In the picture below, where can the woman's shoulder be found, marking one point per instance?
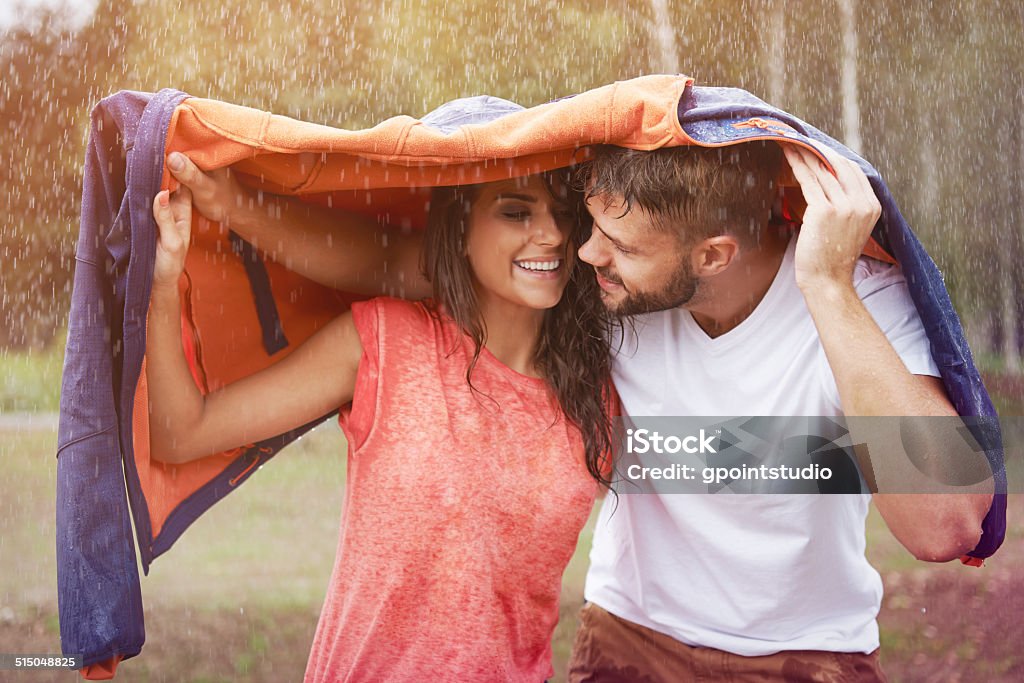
(390, 316)
(391, 307)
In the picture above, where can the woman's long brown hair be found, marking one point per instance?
(572, 351)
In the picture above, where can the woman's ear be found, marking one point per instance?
(713, 255)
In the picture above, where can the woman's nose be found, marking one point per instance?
(546, 230)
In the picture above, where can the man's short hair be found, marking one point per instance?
(698, 192)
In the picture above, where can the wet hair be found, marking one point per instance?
(572, 352)
(698, 192)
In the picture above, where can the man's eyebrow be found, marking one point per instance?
(618, 243)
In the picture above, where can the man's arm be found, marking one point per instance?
(870, 376)
(341, 250)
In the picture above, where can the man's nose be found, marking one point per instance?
(591, 251)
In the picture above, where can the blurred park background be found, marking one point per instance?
(930, 92)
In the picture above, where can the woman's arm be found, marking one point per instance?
(316, 378)
(340, 250)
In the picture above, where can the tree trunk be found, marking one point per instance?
(1008, 298)
(927, 197)
(851, 107)
(776, 57)
(1010, 251)
(663, 38)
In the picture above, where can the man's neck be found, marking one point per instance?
(727, 299)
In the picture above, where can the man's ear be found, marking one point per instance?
(713, 255)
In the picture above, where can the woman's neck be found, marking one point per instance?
(513, 332)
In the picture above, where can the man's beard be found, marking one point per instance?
(679, 290)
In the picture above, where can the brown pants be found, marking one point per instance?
(609, 649)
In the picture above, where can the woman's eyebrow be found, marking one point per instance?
(532, 199)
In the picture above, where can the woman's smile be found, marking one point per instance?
(542, 269)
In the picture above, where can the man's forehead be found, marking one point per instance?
(612, 212)
(607, 201)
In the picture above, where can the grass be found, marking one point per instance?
(30, 380)
(237, 598)
(284, 522)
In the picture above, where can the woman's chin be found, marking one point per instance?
(539, 303)
(547, 300)
(548, 303)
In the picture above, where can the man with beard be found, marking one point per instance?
(738, 314)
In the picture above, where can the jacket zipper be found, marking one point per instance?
(195, 335)
(258, 455)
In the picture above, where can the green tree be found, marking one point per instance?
(51, 74)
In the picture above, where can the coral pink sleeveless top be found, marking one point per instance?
(462, 509)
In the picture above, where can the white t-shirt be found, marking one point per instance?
(749, 574)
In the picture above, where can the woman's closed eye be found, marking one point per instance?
(518, 215)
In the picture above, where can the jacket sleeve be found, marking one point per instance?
(100, 603)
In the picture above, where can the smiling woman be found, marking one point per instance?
(463, 575)
(517, 247)
(507, 250)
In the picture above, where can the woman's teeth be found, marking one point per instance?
(539, 265)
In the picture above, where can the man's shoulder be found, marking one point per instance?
(625, 338)
(871, 275)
